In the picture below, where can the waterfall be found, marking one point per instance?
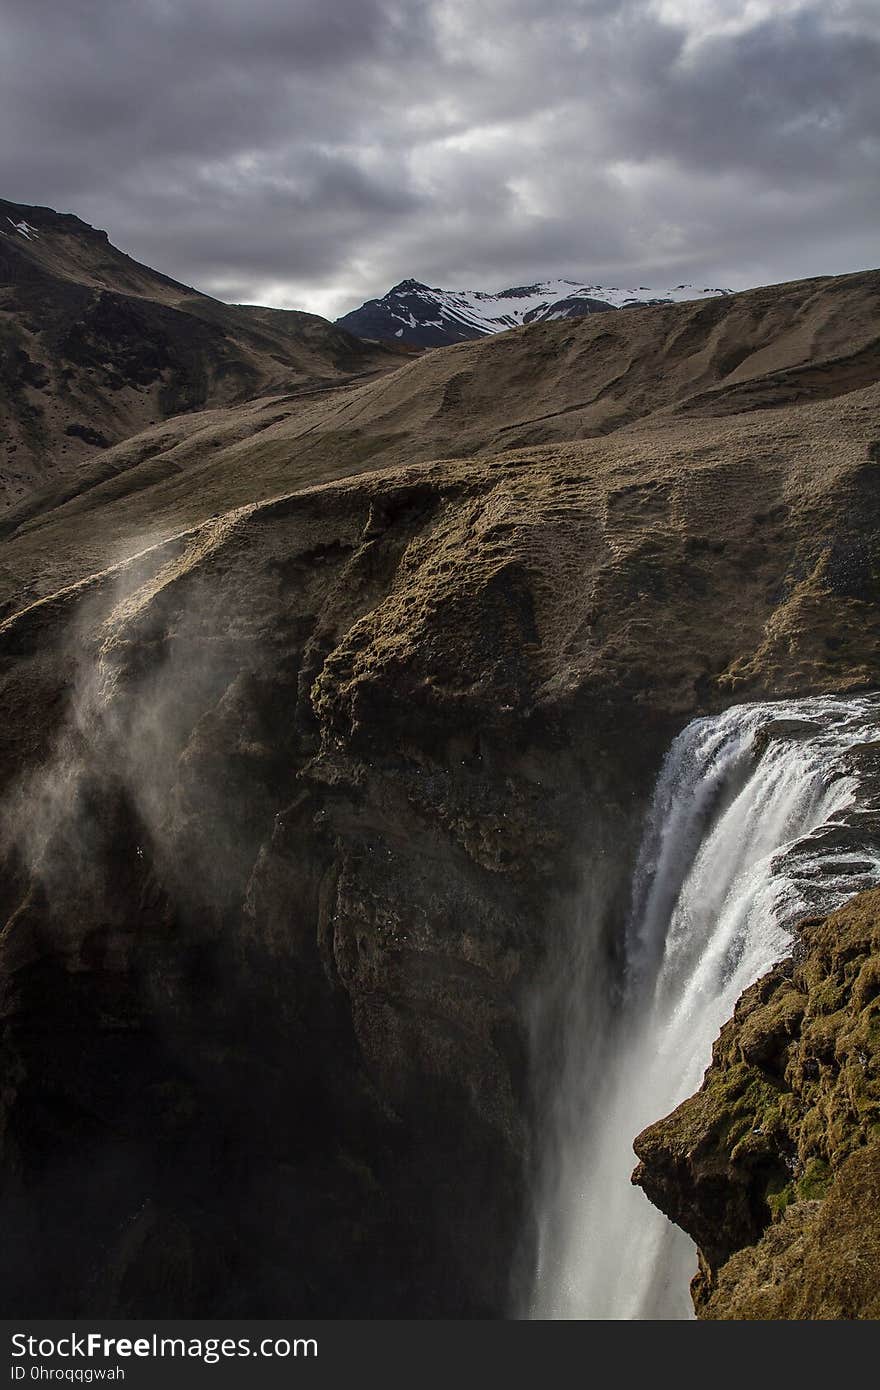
(758, 819)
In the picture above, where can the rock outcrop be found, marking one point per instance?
(774, 1166)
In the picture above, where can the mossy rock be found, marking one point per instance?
(780, 1130)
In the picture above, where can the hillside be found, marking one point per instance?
(330, 724)
(94, 347)
(644, 374)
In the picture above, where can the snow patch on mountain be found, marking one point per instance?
(24, 229)
(431, 317)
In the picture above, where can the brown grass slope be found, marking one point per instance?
(659, 371)
(94, 347)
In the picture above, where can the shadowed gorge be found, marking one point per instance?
(331, 727)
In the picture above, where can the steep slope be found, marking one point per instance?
(636, 374)
(93, 347)
(414, 313)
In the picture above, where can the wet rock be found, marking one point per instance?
(782, 729)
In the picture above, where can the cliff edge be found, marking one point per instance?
(773, 1167)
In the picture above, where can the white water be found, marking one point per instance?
(732, 855)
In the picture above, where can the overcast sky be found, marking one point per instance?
(311, 153)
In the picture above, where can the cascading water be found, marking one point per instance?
(745, 836)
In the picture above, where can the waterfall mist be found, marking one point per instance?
(743, 838)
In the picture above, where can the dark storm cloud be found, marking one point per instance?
(788, 99)
(313, 153)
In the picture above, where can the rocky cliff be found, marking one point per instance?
(300, 802)
(774, 1166)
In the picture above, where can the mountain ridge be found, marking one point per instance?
(94, 347)
(425, 316)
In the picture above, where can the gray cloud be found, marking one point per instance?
(311, 154)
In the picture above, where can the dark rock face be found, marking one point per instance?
(295, 1068)
(781, 729)
(772, 1167)
(570, 309)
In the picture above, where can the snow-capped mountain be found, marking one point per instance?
(414, 313)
